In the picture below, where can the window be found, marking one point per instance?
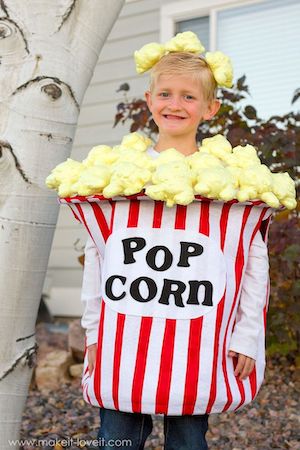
(262, 38)
(199, 26)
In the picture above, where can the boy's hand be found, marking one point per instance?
(92, 352)
(244, 366)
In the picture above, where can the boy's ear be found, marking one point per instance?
(148, 99)
(212, 109)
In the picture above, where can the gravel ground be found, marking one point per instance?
(270, 422)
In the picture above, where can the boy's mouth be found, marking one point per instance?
(173, 117)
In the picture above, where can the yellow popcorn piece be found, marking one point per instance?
(217, 182)
(63, 176)
(221, 67)
(92, 180)
(172, 183)
(185, 42)
(101, 154)
(245, 156)
(138, 158)
(169, 155)
(147, 56)
(127, 179)
(135, 141)
(254, 181)
(284, 189)
(219, 147)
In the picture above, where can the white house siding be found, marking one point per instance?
(137, 25)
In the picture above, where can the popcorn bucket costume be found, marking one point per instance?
(176, 269)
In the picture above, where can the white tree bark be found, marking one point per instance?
(48, 51)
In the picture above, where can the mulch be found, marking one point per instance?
(62, 419)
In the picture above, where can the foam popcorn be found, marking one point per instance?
(185, 42)
(169, 155)
(63, 176)
(93, 179)
(147, 56)
(221, 67)
(135, 141)
(99, 155)
(172, 183)
(216, 182)
(244, 156)
(127, 179)
(254, 181)
(219, 147)
(284, 189)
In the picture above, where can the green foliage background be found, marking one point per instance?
(277, 141)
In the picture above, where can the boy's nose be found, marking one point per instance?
(174, 103)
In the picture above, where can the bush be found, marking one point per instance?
(277, 141)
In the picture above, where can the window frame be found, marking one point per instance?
(171, 13)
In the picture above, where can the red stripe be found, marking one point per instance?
(101, 220)
(158, 212)
(253, 383)
(87, 394)
(239, 263)
(117, 359)
(74, 214)
(133, 214)
(140, 365)
(83, 221)
(165, 371)
(204, 221)
(240, 386)
(193, 364)
(180, 217)
(97, 376)
(112, 217)
(195, 332)
(219, 318)
(258, 225)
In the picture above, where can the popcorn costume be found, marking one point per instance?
(176, 265)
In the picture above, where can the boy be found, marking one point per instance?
(182, 94)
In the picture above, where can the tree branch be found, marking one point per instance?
(4, 144)
(29, 354)
(67, 14)
(4, 8)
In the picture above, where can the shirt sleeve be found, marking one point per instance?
(249, 323)
(91, 292)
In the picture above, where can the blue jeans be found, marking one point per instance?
(123, 430)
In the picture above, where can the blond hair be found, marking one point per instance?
(186, 64)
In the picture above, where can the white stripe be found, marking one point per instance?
(153, 365)
(107, 358)
(128, 361)
(179, 366)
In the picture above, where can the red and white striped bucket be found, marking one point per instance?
(171, 281)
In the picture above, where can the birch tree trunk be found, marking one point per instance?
(48, 51)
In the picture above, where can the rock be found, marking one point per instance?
(76, 340)
(53, 370)
(76, 370)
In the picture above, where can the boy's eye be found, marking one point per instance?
(189, 97)
(164, 94)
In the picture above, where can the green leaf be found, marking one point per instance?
(292, 253)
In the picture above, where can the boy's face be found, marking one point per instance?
(177, 105)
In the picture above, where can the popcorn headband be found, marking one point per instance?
(150, 54)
